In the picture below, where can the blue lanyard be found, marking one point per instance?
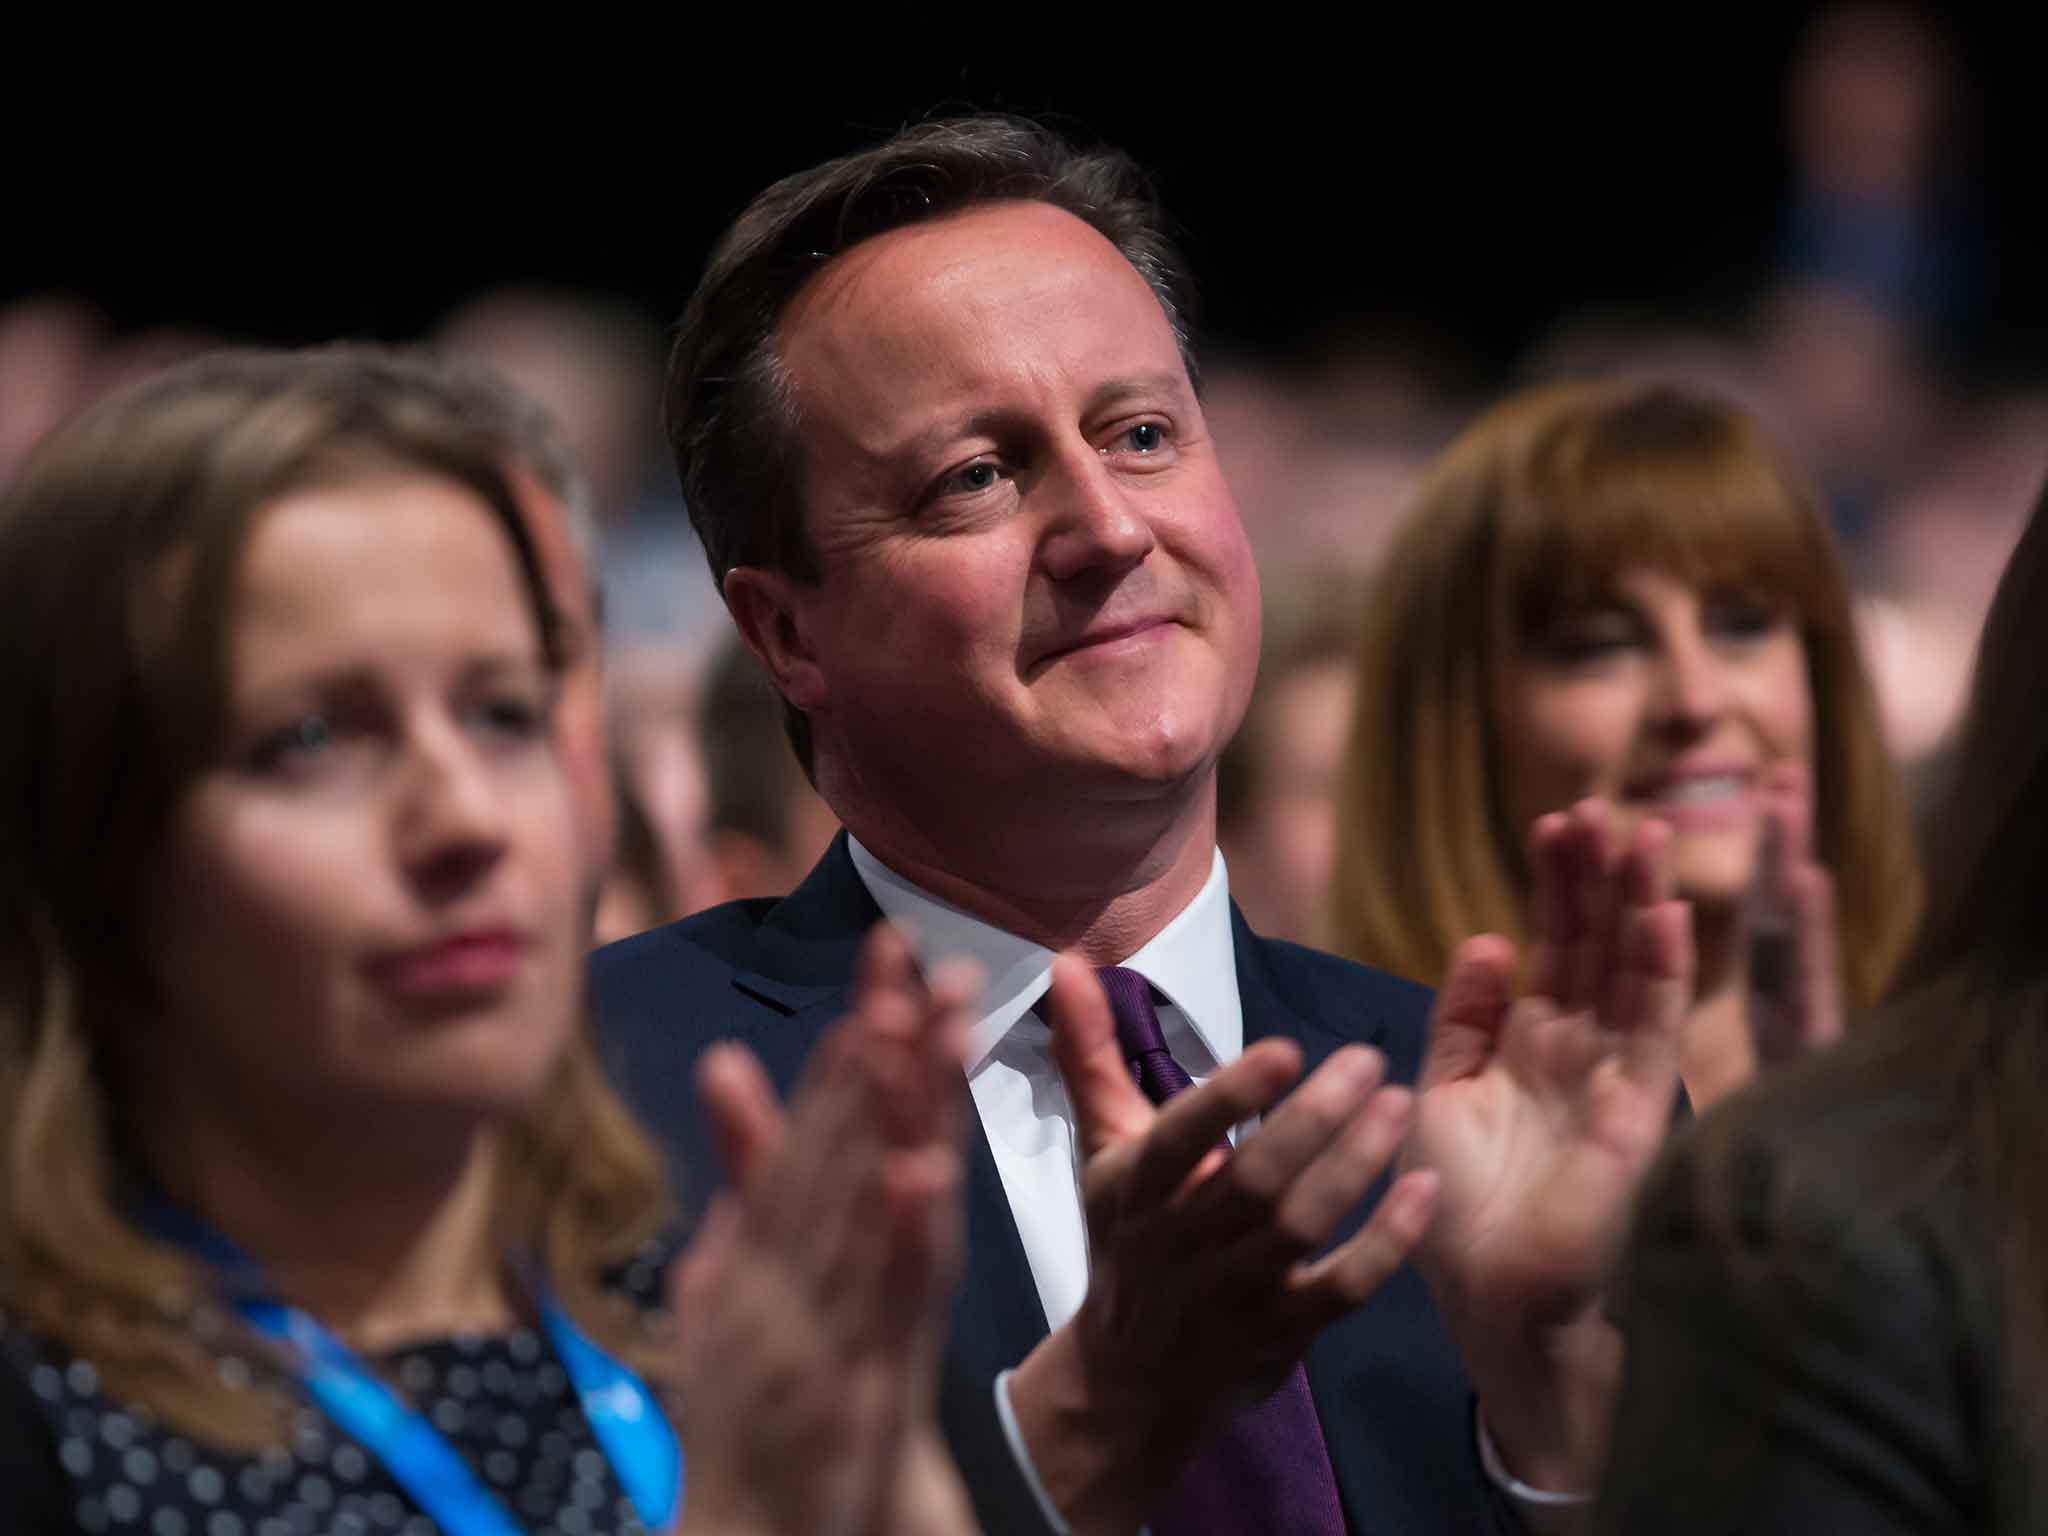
(624, 1415)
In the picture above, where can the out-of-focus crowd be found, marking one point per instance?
(1858, 349)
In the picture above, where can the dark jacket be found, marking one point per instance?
(1396, 1409)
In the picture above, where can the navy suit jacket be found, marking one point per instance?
(1396, 1409)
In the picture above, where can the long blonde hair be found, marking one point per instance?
(1530, 513)
(112, 684)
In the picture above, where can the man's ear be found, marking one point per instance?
(768, 607)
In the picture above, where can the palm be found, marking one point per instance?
(1534, 1166)
(1540, 1113)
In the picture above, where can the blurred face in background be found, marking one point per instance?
(369, 897)
(1669, 700)
(579, 711)
(1282, 849)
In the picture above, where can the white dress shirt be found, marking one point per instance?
(1010, 1071)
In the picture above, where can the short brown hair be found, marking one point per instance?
(119, 545)
(730, 416)
(1532, 511)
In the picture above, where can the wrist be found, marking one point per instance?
(1547, 1402)
(1103, 1448)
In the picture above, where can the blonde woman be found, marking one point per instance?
(1617, 589)
(315, 1212)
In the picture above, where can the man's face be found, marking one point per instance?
(1033, 580)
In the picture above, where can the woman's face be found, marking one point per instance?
(369, 895)
(1668, 700)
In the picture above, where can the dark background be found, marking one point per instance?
(1445, 175)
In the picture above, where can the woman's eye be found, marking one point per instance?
(1587, 639)
(513, 717)
(295, 746)
(1743, 618)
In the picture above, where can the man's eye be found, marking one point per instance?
(1146, 437)
(978, 476)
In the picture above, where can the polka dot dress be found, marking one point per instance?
(72, 1459)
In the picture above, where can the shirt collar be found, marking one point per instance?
(1192, 960)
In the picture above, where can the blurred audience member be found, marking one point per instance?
(48, 346)
(767, 825)
(1276, 786)
(1617, 589)
(1860, 395)
(651, 704)
(636, 892)
(1324, 458)
(1941, 549)
(595, 366)
(1836, 1295)
(315, 1210)
(1876, 108)
(1878, 268)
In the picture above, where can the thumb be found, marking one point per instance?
(747, 1121)
(1470, 1009)
(695, 1276)
(1108, 1108)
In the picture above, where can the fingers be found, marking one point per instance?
(1349, 1273)
(1811, 894)
(746, 1119)
(1308, 1166)
(1551, 909)
(1109, 1109)
(1470, 1008)
(1187, 1129)
(1652, 992)
(1596, 890)
(694, 1277)
(1575, 862)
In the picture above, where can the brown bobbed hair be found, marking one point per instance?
(730, 409)
(120, 542)
(1532, 512)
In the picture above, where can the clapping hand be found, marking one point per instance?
(1539, 1113)
(812, 1305)
(1181, 1232)
(1795, 990)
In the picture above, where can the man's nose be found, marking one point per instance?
(1095, 525)
(451, 825)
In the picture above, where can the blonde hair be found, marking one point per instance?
(112, 682)
(1530, 513)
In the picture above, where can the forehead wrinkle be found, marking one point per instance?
(864, 313)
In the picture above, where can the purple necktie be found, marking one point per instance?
(1267, 1470)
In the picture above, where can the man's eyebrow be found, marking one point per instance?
(1164, 384)
(1143, 386)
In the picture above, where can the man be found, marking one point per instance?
(936, 419)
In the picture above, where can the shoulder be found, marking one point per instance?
(710, 942)
(1832, 1162)
(1352, 1000)
(44, 1398)
(1810, 1290)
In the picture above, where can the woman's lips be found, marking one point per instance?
(1699, 801)
(482, 960)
